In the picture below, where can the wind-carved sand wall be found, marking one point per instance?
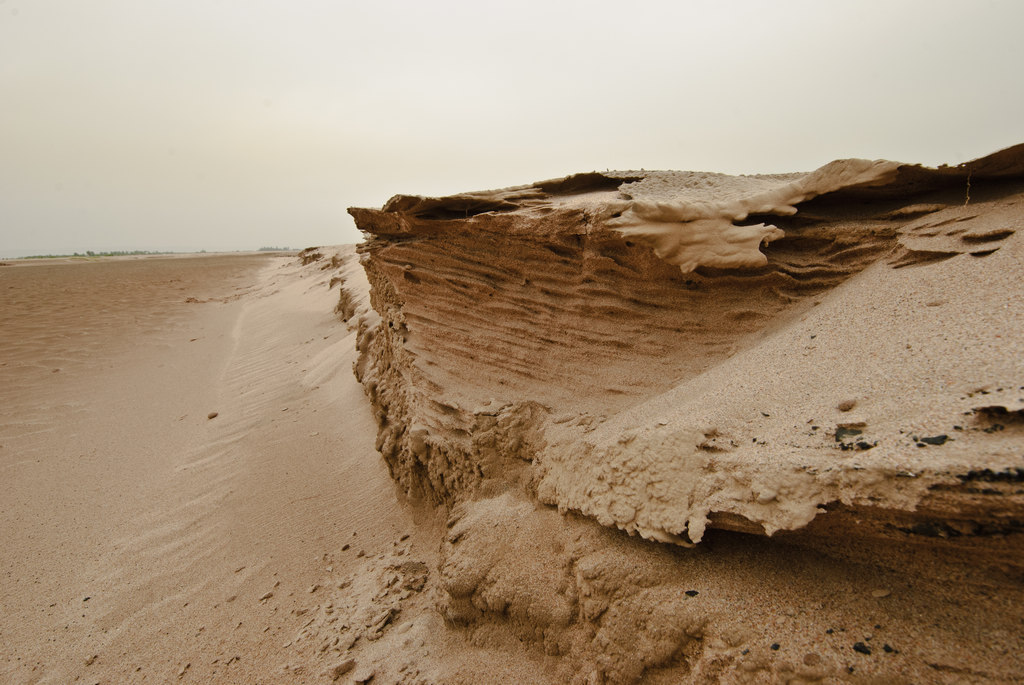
(823, 356)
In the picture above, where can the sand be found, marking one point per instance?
(139, 534)
(626, 427)
(828, 363)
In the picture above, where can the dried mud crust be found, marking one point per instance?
(838, 377)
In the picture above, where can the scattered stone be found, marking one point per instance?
(313, 588)
(345, 547)
(212, 415)
(935, 439)
(342, 668)
(861, 648)
(846, 405)
(843, 432)
(879, 594)
(183, 669)
(266, 595)
(378, 623)
(363, 675)
(692, 593)
(91, 660)
(775, 646)
(887, 649)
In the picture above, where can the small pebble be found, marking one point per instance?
(212, 415)
(846, 405)
(861, 648)
(266, 595)
(879, 594)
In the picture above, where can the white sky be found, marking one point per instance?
(222, 124)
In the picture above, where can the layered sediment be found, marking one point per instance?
(832, 360)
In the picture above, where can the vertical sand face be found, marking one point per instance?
(830, 362)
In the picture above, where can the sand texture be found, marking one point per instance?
(620, 427)
(828, 363)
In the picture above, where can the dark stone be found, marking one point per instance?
(775, 646)
(843, 433)
(861, 648)
(692, 593)
(935, 439)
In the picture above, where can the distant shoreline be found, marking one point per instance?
(90, 254)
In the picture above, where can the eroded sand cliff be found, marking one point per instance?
(819, 377)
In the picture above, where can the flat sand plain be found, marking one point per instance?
(139, 535)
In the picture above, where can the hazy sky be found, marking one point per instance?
(221, 124)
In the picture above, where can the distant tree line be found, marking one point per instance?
(90, 253)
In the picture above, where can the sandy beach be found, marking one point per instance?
(139, 534)
(614, 428)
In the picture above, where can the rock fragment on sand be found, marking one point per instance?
(342, 668)
(363, 675)
(266, 596)
(880, 593)
(213, 415)
(846, 405)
